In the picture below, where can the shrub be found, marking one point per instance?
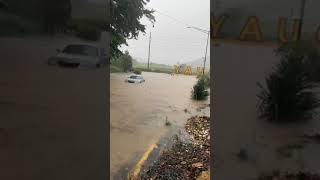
(289, 93)
(199, 91)
(206, 78)
(137, 71)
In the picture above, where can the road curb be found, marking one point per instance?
(134, 173)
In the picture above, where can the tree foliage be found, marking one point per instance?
(126, 15)
(48, 13)
(124, 62)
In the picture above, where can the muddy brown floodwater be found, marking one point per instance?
(138, 113)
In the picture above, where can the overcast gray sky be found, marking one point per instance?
(171, 41)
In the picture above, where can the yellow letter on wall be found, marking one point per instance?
(216, 25)
(282, 30)
(188, 71)
(251, 30)
(177, 69)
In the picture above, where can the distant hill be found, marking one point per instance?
(194, 64)
(199, 62)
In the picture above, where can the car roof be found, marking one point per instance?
(80, 44)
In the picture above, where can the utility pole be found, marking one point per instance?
(149, 51)
(205, 56)
(208, 33)
(302, 7)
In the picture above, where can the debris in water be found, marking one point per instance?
(183, 160)
(168, 123)
(199, 128)
(197, 165)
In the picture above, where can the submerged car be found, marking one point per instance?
(79, 55)
(135, 79)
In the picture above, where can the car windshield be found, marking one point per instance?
(134, 77)
(81, 50)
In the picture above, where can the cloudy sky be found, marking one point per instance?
(172, 41)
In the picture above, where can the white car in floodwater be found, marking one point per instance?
(135, 79)
(79, 55)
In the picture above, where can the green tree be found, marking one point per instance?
(125, 62)
(126, 15)
(49, 13)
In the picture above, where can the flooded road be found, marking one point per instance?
(138, 113)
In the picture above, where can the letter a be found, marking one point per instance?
(188, 71)
(177, 69)
(251, 29)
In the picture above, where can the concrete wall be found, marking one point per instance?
(53, 121)
(268, 13)
(236, 68)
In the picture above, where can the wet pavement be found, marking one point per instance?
(139, 111)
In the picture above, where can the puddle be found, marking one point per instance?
(138, 113)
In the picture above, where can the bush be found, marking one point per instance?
(199, 91)
(289, 93)
(137, 71)
(206, 78)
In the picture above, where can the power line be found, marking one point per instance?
(173, 18)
